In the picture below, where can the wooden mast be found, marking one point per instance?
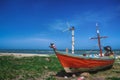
(99, 43)
(99, 37)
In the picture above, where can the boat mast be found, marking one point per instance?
(99, 37)
(73, 40)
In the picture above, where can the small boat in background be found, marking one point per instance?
(78, 63)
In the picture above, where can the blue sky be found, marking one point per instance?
(33, 24)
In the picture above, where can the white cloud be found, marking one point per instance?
(26, 42)
(57, 25)
(29, 40)
(60, 25)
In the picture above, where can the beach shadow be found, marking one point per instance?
(100, 70)
(62, 73)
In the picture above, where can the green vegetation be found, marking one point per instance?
(113, 78)
(43, 68)
(28, 67)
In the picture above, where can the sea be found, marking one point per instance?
(43, 51)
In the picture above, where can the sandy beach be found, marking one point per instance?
(23, 54)
(29, 55)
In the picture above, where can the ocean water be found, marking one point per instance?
(39, 51)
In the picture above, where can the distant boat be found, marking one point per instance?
(77, 63)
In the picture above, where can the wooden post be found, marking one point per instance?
(67, 50)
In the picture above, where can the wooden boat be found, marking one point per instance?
(76, 63)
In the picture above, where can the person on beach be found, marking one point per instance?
(109, 51)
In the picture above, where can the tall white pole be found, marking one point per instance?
(73, 40)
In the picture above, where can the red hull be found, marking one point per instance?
(77, 63)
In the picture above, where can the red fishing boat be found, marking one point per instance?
(86, 62)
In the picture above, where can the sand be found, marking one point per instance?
(23, 54)
(30, 55)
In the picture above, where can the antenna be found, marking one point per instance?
(68, 27)
(73, 40)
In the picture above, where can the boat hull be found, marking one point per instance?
(73, 64)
